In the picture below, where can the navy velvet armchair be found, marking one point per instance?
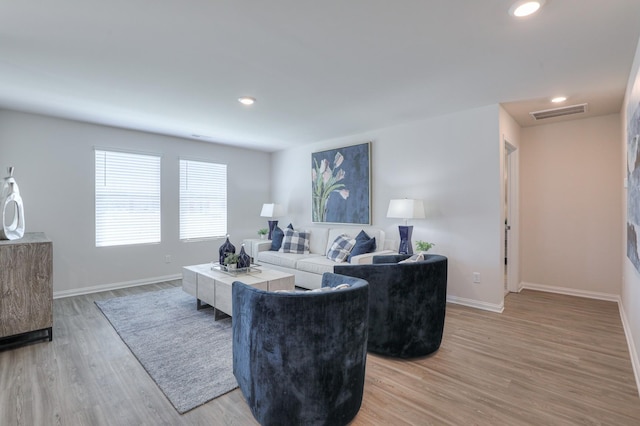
(407, 303)
(299, 358)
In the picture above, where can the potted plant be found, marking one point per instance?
(262, 232)
(231, 260)
(423, 246)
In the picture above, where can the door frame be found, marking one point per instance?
(512, 194)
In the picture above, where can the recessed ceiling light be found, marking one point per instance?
(524, 8)
(246, 100)
(559, 99)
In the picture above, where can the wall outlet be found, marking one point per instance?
(167, 258)
(476, 277)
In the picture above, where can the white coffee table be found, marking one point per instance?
(213, 287)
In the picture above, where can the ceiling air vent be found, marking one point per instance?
(559, 112)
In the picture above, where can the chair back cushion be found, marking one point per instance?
(299, 358)
(407, 303)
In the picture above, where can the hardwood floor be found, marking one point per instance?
(547, 360)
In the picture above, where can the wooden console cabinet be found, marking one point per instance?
(26, 286)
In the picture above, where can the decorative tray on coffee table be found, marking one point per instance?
(252, 269)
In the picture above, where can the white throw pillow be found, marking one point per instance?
(415, 258)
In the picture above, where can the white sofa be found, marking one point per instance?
(308, 268)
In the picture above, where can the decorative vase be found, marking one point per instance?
(225, 249)
(11, 209)
(244, 260)
(405, 239)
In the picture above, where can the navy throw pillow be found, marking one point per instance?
(276, 239)
(364, 244)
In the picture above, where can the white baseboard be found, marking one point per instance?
(476, 304)
(114, 286)
(571, 292)
(633, 352)
(520, 287)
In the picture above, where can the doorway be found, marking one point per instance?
(511, 243)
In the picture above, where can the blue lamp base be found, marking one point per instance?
(272, 226)
(405, 239)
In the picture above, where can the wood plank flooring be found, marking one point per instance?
(547, 360)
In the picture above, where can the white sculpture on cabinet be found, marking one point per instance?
(12, 209)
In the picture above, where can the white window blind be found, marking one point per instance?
(127, 198)
(203, 199)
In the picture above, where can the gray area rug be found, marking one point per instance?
(186, 352)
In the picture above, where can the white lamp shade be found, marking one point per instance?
(272, 210)
(406, 209)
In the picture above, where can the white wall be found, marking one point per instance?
(54, 168)
(630, 276)
(571, 198)
(452, 162)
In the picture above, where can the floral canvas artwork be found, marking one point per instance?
(633, 176)
(341, 185)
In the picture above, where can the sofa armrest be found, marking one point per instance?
(367, 258)
(262, 246)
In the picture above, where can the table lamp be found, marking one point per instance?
(405, 209)
(272, 210)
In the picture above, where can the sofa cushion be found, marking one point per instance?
(316, 265)
(318, 240)
(341, 248)
(295, 242)
(285, 260)
(364, 244)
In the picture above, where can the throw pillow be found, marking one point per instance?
(415, 258)
(364, 244)
(341, 248)
(276, 239)
(295, 242)
(328, 288)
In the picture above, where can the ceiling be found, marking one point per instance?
(318, 69)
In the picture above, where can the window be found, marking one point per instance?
(127, 198)
(203, 199)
